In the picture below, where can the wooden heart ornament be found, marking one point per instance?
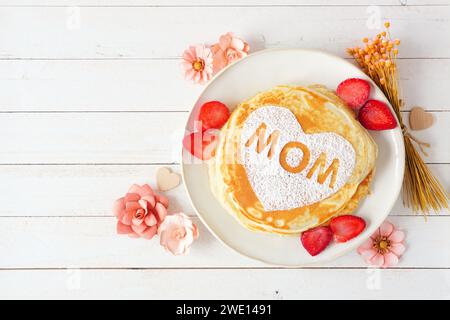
(166, 179)
(288, 168)
(419, 119)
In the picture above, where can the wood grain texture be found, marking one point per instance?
(143, 85)
(75, 190)
(89, 138)
(89, 190)
(113, 138)
(91, 242)
(161, 32)
(92, 100)
(222, 3)
(226, 284)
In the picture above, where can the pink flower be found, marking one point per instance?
(229, 49)
(177, 233)
(140, 212)
(384, 247)
(197, 64)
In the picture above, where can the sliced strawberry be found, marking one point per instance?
(316, 240)
(213, 115)
(346, 227)
(354, 92)
(376, 115)
(201, 144)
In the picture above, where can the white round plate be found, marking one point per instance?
(264, 70)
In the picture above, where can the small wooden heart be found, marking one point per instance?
(166, 179)
(419, 119)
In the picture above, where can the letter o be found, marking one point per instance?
(284, 152)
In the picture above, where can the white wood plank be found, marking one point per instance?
(72, 190)
(225, 284)
(210, 3)
(95, 85)
(94, 137)
(114, 138)
(77, 190)
(143, 85)
(442, 171)
(92, 243)
(151, 32)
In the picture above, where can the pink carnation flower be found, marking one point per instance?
(177, 233)
(229, 49)
(197, 64)
(384, 247)
(140, 212)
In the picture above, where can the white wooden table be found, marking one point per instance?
(92, 100)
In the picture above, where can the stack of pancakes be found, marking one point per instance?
(272, 179)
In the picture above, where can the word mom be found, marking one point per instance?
(272, 141)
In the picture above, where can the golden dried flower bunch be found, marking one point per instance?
(422, 191)
(378, 58)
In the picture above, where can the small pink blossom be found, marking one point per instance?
(197, 64)
(384, 247)
(177, 233)
(140, 212)
(229, 49)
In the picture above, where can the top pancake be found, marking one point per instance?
(270, 169)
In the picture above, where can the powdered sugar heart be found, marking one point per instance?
(283, 175)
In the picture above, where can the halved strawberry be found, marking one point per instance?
(376, 115)
(354, 92)
(213, 115)
(315, 240)
(201, 144)
(346, 227)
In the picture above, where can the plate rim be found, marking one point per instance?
(333, 257)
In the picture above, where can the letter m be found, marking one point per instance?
(259, 136)
(323, 174)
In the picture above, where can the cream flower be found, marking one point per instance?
(177, 233)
